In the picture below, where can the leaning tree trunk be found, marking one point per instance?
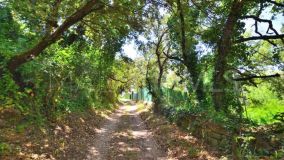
(16, 61)
(223, 51)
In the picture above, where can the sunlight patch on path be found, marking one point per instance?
(124, 136)
(99, 149)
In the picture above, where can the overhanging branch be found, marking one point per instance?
(173, 57)
(48, 39)
(255, 76)
(264, 37)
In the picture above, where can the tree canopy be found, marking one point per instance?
(221, 58)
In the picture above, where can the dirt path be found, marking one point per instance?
(124, 136)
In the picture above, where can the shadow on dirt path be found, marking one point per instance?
(124, 136)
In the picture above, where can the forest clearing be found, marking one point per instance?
(142, 79)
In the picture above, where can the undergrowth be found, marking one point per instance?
(264, 113)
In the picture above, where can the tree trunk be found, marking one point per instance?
(29, 55)
(223, 51)
(190, 59)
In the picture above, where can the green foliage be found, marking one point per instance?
(82, 69)
(263, 104)
(73, 74)
(278, 154)
(263, 114)
(12, 39)
(173, 97)
(5, 149)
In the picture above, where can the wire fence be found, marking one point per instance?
(170, 95)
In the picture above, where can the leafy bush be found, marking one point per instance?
(263, 104)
